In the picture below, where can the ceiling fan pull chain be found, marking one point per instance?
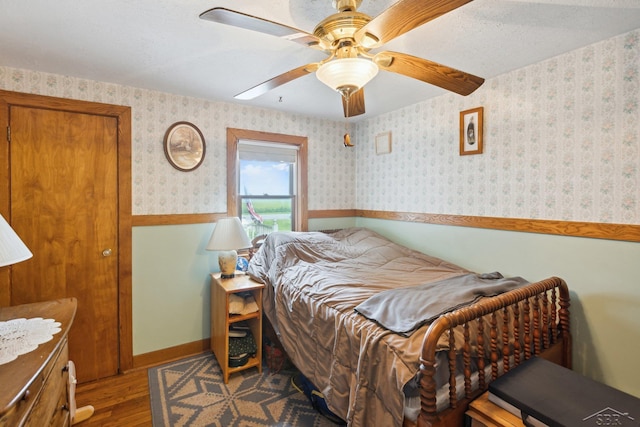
(346, 122)
(347, 137)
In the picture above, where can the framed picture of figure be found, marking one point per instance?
(471, 129)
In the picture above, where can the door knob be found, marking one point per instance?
(106, 252)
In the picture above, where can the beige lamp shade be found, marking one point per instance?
(228, 236)
(12, 249)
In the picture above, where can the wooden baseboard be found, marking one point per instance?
(146, 360)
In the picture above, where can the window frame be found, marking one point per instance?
(233, 169)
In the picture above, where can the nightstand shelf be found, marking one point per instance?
(221, 320)
(235, 318)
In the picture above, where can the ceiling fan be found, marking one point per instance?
(348, 37)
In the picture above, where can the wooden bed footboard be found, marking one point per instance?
(497, 333)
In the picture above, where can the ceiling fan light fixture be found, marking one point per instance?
(347, 75)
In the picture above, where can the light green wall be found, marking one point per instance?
(603, 277)
(171, 284)
(171, 297)
(331, 223)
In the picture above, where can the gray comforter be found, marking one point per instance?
(314, 282)
(404, 310)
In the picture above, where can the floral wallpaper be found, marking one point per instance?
(561, 141)
(157, 187)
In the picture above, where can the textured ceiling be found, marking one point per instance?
(163, 45)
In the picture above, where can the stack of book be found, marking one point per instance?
(542, 393)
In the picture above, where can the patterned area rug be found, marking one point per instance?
(191, 392)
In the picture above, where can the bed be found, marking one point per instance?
(392, 336)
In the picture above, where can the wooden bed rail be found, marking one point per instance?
(498, 333)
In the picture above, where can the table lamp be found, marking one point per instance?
(12, 249)
(227, 237)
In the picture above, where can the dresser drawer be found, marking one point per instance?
(52, 407)
(17, 414)
(61, 415)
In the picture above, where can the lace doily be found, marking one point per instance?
(20, 336)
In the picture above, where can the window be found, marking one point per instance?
(267, 181)
(266, 186)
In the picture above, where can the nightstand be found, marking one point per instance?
(482, 412)
(221, 320)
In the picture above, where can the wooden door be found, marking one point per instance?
(64, 206)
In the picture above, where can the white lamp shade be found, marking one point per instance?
(228, 235)
(348, 74)
(12, 249)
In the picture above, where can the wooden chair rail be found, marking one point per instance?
(622, 232)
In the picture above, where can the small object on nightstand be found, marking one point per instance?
(242, 264)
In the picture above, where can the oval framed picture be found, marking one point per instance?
(184, 146)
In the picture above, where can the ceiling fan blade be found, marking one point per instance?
(222, 15)
(429, 72)
(356, 104)
(273, 83)
(401, 17)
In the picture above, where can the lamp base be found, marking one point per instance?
(227, 261)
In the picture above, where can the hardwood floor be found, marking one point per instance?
(119, 401)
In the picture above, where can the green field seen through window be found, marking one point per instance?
(275, 214)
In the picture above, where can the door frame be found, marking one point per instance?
(123, 116)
